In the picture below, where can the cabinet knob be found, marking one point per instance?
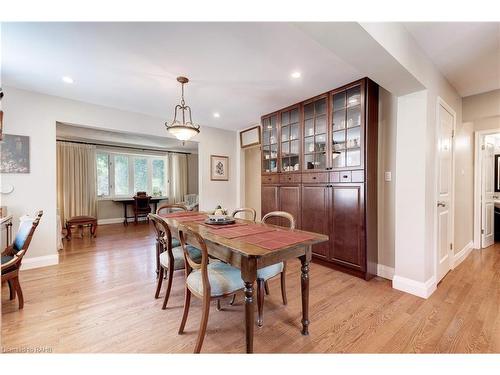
(314, 177)
(345, 176)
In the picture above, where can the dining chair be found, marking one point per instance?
(266, 273)
(142, 205)
(13, 255)
(206, 280)
(169, 258)
(245, 210)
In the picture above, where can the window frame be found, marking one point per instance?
(131, 173)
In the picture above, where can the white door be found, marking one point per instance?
(445, 191)
(487, 193)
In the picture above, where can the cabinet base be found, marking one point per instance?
(361, 274)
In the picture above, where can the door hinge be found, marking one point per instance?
(451, 246)
(453, 133)
(482, 231)
(483, 147)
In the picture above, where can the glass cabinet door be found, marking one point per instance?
(270, 144)
(290, 140)
(346, 128)
(315, 134)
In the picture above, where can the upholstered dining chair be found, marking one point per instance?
(142, 205)
(170, 258)
(245, 210)
(13, 255)
(207, 281)
(266, 273)
(168, 209)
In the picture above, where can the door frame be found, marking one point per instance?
(451, 252)
(477, 183)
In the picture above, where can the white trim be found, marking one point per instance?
(477, 183)
(37, 262)
(385, 271)
(117, 220)
(462, 254)
(442, 103)
(417, 288)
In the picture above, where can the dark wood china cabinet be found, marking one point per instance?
(323, 170)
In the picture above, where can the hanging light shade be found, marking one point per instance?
(182, 126)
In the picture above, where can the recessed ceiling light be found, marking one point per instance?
(216, 114)
(67, 79)
(296, 75)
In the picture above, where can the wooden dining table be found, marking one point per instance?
(250, 257)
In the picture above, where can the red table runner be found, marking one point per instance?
(223, 226)
(181, 214)
(198, 217)
(241, 231)
(276, 239)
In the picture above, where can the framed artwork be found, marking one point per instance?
(250, 137)
(219, 168)
(15, 154)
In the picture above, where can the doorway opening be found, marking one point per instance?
(487, 189)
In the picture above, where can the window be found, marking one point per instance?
(102, 174)
(122, 175)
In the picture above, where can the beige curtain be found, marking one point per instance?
(177, 177)
(76, 180)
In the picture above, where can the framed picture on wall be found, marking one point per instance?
(219, 168)
(15, 154)
(250, 137)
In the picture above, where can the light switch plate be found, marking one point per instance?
(388, 176)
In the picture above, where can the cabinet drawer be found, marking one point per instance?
(291, 178)
(313, 178)
(358, 176)
(345, 176)
(270, 179)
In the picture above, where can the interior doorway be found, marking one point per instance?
(487, 189)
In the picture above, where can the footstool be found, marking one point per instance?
(81, 221)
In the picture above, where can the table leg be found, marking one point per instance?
(125, 222)
(249, 275)
(249, 315)
(304, 283)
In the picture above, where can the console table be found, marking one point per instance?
(130, 201)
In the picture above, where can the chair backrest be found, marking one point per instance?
(163, 234)
(25, 234)
(280, 214)
(168, 208)
(141, 201)
(245, 210)
(187, 236)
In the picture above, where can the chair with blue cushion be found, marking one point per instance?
(162, 210)
(266, 273)
(207, 281)
(13, 255)
(170, 258)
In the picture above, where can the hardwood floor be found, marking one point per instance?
(100, 299)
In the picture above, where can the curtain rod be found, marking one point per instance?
(129, 147)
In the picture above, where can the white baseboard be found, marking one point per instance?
(37, 262)
(462, 254)
(117, 220)
(417, 288)
(385, 271)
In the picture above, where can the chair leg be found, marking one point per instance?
(260, 301)
(160, 280)
(203, 324)
(219, 308)
(187, 302)
(233, 299)
(17, 286)
(12, 291)
(283, 286)
(169, 286)
(266, 287)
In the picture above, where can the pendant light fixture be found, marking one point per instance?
(182, 128)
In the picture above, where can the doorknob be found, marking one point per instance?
(441, 204)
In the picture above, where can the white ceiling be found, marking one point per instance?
(241, 70)
(468, 54)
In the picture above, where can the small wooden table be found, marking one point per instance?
(6, 222)
(81, 221)
(249, 258)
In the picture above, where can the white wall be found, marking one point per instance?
(35, 114)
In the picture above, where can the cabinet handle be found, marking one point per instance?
(314, 178)
(345, 176)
